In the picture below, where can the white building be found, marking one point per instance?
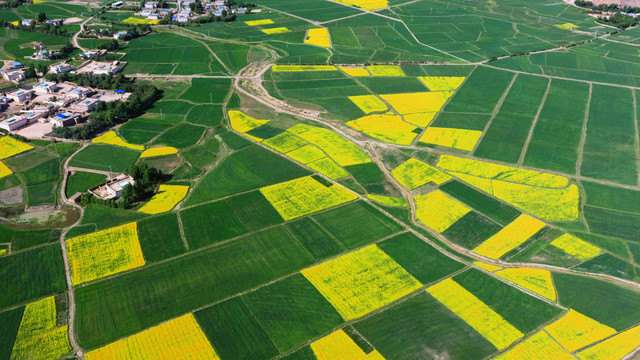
(46, 88)
(32, 116)
(13, 123)
(61, 68)
(56, 22)
(107, 69)
(117, 4)
(85, 106)
(20, 96)
(63, 119)
(28, 22)
(150, 5)
(79, 93)
(15, 75)
(112, 188)
(120, 34)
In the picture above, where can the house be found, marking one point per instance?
(32, 116)
(15, 75)
(84, 106)
(145, 13)
(27, 22)
(13, 123)
(112, 188)
(219, 3)
(120, 34)
(46, 88)
(155, 17)
(107, 69)
(16, 65)
(61, 68)
(241, 10)
(63, 119)
(93, 53)
(79, 93)
(56, 22)
(117, 4)
(150, 5)
(20, 96)
(41, 55)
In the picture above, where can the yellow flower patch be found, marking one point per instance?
(10, 146)
(296, 68)
(512, 235)
(368, 103)
(343, 151)
(501, 172)
(476, 313)
(614, 348)
(420, 119)
(389, 200)
(442, 83)
(365, 4)
(414, 173)
(566, 26)
(318, 37)
(438, 211)
(385, 70)
(420, 102)
(537, 280)
(575, 331)
(454, 138)
(3, 252)
(242, 122)
(165, 199)
(111, 138)
(259, 22)
(549, 204)
(104, 253)
(339, 346)
(138, 21)
(178, 339)
(362, 281)
(307, 154)
(38, 336)
(278, 30)
(540, 346)
(388, 128)
(487, 267)
(304, 196)
(355, 71)
(159, 151)
(329, 168)
(575, 247)
(4, 170)
(483, 184)
(285, 142)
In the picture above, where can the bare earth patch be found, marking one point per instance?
(11, 196)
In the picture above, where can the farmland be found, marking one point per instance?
(330, 179)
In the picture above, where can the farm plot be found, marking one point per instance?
(318, 37)
(159, 151)
(83, 181)
(119, 251)
(10, 147)
(388, 128)
(242, 123)
(111, 138)
(165, 199)
(575, 331)
(438, 211)
(538, 346)
(616, 347)
(104, 157)
(509, 237)
(414, 173)
(181, 136)
(340, 345)
(209, 91)
(318, 11)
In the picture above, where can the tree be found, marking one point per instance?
(30, 72)
(42, 17)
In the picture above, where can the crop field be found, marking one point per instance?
(336, 180)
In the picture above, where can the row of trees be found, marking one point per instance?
(107, 114)
(620, 20)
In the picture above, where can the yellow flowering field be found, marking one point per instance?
(355, 71)
(3, 252)
(476, 313)
(165, 199)
(159, 151)
(10, 146)
(483, 184)
(328, 168)
(242, 122)
(549, 204)
(422, 119)
(410, 103)
(177, 339)
(512, 235)
(104, 253)
(537, 280)
(615, 347)
(38, 336)
(388, 128)
(343, 151)
(501, 172)
(304, 196)
(575, 331)
(277, 30)
(362, 281)
(442, 83)
(138, 21)
(389, 200)
(294, 68)
(4, 170)
(259, 22)
(368, 103)
(385, 70)
(307, 154)
(285, 142)
(438, 211)
(487, 267)
(454, 138)
(414, 173)
(339, 346)
(539, 346)
(365, 4)
(575, 247)
(111, 138)
(566, 26)
(318, 37)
